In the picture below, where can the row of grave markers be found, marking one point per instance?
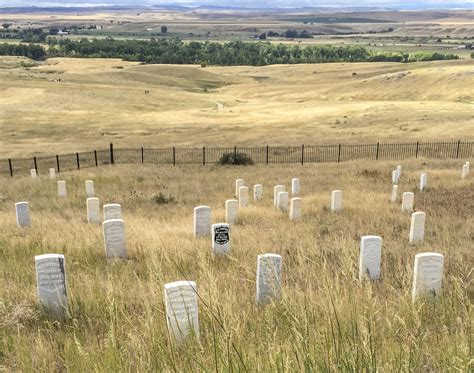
(181, 296)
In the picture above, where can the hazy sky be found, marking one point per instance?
(402, 4)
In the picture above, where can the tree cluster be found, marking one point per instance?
(235, 53)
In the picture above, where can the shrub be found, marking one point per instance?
(162, 199)
(236, 159)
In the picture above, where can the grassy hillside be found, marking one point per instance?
(66, 105)
(327, 319)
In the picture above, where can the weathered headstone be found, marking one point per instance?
(370, 257)
(407, 201)
(52, 173)
(231, 211)
(423, 182)
(182, 310)
(220, 239)
(282, 201)
(33, 173)
(394, 177)
(243, 196)
(257, 192)
(112, 211)
(202, 221)
(22, 214)
(399, 172)
(464, 171)
(336, 200)
(62, 192)
(417, 227)
(394, 196)
(427, 275)
(295, 187)
(51, 284)
(93, 210)
(468, 164)
(268, 278)
(277, 189)
(114, 239)
(295, 208)
(238, 183)
(89, 188)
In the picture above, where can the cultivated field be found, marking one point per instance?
(327, 320)
(65, 105)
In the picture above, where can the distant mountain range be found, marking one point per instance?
(13, 6)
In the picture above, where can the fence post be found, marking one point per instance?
(267, 156)
(143, 155)
(112, 161)
(339, 154)
(203, 155)
(417, 146)
(57, 163)
(302, 154)
(95, 157)
(377, 154)
(235, 153)
(174, 156)
(10, 166)
(77, 161)
(36, 166)
(457, 150)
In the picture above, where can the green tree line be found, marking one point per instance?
(35, 52)
(174, 51)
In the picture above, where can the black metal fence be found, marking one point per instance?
(259, 155)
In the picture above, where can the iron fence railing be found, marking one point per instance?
(258, 154)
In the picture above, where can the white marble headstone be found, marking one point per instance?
(282, 201)
(295, 208)
(257, 192)
(33, 173)
(417, 227)
(423, 182)
(62, 191)
(243, 196)
(427, 275)
(93, 210)
(277, 189)
(202, 221)
(468, 164)
(464, 171)
(407, 201)
(22, 214)
(112, 211)
(394, 177)
(51, 284)
(231, 211)
(399, 172)
(268, 278)
(220, 239)
(336, 200)
(181, 304)
(238, 183)
(89, 188)
(52, 173)
(370, 257)
(114, 239)
(394, 196)
(295, 186)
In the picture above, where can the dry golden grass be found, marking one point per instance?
(327, 319)
(99, 101)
